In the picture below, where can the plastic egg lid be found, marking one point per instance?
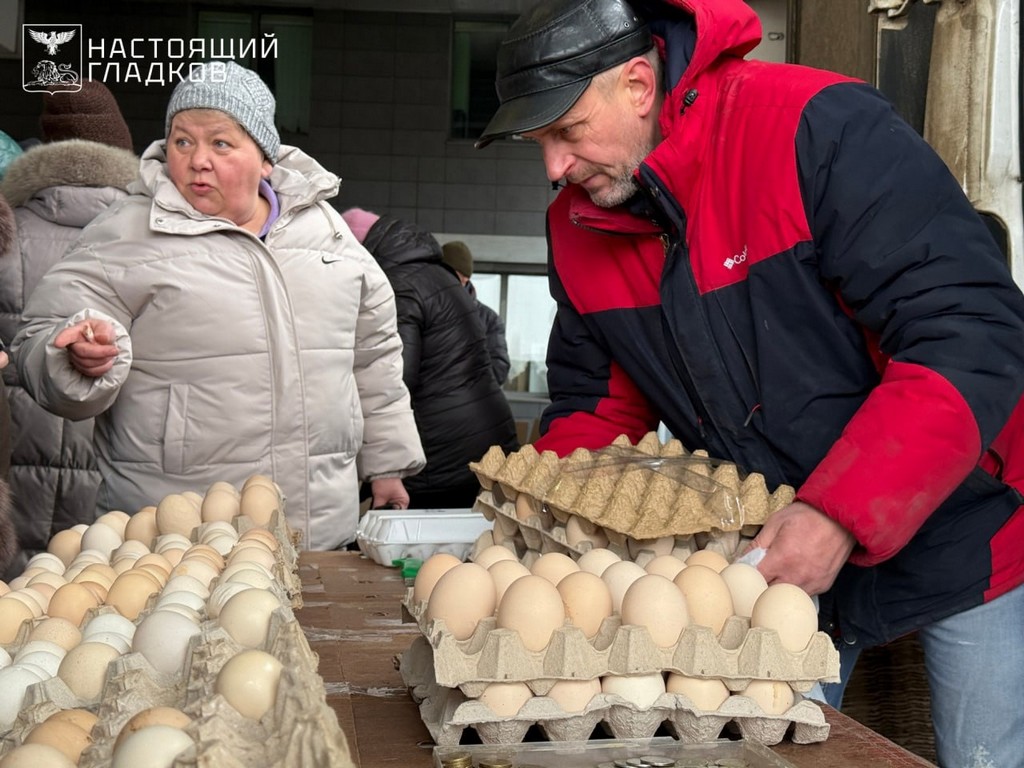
(739, 654)
(388, 535)
(647, 491)
(447, 713)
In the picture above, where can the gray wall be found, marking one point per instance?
(379, 117)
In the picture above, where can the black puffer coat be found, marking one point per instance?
(460, 409)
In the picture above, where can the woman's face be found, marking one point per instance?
(217, 167)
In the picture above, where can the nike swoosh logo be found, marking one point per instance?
(329, 260)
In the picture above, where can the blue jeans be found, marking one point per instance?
(975, 664)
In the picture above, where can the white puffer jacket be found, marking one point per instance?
(237, 356)
(56, 189)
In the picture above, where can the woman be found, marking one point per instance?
(224, 322)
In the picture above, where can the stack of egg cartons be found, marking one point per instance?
(166, 638)
(614, 604)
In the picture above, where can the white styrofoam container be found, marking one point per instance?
(385, 535)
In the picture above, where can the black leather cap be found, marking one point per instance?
(550, 55)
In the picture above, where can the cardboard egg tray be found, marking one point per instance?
(737, 656)
(541, 533)
(447, 713)
(646, 491)
(300, 729)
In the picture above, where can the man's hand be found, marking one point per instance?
(804, 547)
(90, 345)
(389, 491)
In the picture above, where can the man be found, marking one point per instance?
(456, 254)
(770, 261)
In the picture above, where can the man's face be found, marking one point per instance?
(599, 143)
(216, 166)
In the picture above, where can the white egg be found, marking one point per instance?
(155, 746)
(639, 690)
(163, 638)
(109, 622)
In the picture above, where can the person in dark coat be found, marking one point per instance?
(459, 407)
(456, 254)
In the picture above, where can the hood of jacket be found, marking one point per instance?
(7, 228)
(393, 241)
(72, 163)
(297, 178)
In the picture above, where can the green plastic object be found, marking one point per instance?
(410, 566)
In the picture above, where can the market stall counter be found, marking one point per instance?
(352, 618)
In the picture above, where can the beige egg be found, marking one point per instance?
(168, 716)
(83, 718)
(71, 602)
(554, 566)
(462, 597)
(596, 560)
(246, 617)
(98, 572)
(745, 584)
(167, 542)
(773, 696)
(176, 513)
(131, 591)
(587, 601)
(195, 498)
(532, 606)
(214, 528)
(505, 699)
(36, 756)
(574, 695)
(259, 479)
(706, 695)
(708, 558)
(253, 577)
(263, 536)
(527, 506)
(639, 690)
(223, 485)
(84, 669)
(259, 503)
(668, 566)
(581, 533)
(142, 526)
(66, 545)
(245, 565)
(162, 637)
(785, 608)
(253, 554)
(619, 576)
(432, 569)
(155, 746)
(116, 519)
(220, 506)
(215, 558)
(65, 736)
(708, 599)
(503, 573)
(492, 554)
(654, 602)
(57, 630)
(13, 613)
(249, 682)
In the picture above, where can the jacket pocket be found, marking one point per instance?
(175, 420)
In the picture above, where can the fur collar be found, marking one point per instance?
(6, 225)
(74, 162)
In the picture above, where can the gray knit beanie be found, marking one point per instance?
(234, 90)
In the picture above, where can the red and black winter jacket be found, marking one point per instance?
(803, 289)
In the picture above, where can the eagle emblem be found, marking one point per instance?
(52, 40)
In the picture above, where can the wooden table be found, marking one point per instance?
(352, 617)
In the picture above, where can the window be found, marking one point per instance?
(474, 66)
(289, 75)
(529, 314)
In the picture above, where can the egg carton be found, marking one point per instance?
(541, 532)
(448, 712)
(739, 654)
(300, 729)
(388, 535)
(646, 491)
